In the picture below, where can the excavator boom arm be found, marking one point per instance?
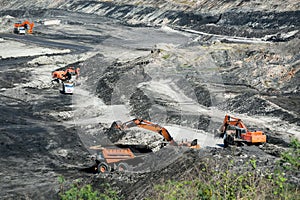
(141, 123)
(234, 121)
(149, 126)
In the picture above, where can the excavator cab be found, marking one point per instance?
(236, 130)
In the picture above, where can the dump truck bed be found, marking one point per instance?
(112, 155)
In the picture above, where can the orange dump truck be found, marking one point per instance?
(111, 159)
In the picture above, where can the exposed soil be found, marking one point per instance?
(183, 66)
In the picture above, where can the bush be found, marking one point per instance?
(212, 180)
(290, 159)
(86, 192)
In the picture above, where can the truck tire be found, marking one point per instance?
(122, 167)
(103, 168)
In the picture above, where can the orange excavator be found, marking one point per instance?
(66, 78)
(64, 75)
(23, 27)
(141, 123)
(112, 158)
(234, 131)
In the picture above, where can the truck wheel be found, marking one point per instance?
(123, 167)
(103, 168)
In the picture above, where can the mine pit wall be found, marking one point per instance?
(116, 78)
(243, 20)
(236, 19)
(217, 17)
(234, 22)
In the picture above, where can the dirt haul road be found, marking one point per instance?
(161, 74)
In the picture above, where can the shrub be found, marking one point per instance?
(77, 191)
(290, 159)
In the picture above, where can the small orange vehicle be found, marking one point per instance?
(234, 132)
(24, 27)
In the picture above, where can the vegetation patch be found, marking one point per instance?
(81, 191)
(250, 182)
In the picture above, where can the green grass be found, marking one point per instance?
(291, 159)
(80, 191)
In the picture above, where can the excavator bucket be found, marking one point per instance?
(194, 144)
(116, 125)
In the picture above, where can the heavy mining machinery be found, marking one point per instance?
(141, 123)
(62, 75)
(112, 158)
(235, 132)
(23, 27)
(66, 77)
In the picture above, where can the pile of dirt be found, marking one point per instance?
(118, 78)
